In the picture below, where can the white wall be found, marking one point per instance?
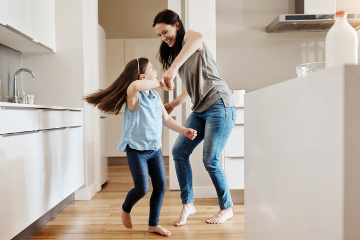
(91, 114)
(10, 62)
(59, 76)
(248, 57)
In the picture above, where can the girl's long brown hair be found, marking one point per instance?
(113, 98)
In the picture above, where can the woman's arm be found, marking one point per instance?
(193, 42)
(175, 126)
(169, 107)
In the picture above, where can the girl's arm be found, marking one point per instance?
(175, 126)
(193, 42)
(132, 93)
(169, 107)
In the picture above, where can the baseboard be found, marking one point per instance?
(237, 196)
(44, 219)
(112, 161)
(85, 193)
(117, 161)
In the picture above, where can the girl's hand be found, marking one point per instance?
(168, 107)
(163, 85)
(168, 77)
(190, 133)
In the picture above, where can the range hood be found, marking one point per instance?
(311, 16)
(308, 22)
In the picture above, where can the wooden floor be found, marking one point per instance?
(99, 218)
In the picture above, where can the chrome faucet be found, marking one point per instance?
(16, 96)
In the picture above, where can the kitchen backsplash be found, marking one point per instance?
(10, 62)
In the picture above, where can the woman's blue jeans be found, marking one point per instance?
(213, 126)
(143, 164)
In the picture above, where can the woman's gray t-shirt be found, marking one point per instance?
(202, 78)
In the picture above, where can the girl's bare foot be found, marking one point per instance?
(126, 219)
(159, 229)
(187, 210)
(221, 216)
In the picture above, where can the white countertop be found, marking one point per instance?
(19, 105)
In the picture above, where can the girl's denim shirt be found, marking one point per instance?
(142, 127)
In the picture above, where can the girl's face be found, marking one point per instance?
(167, 32)
(150, 73)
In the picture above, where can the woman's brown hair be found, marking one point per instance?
(168, 54)
(113, 98)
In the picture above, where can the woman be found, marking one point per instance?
(213, 115)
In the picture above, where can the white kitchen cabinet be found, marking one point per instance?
(20, 178)
(18, 120)
(234, 168)
(19, 14)
(302, 163)
(234, 153)
(28, 25)
(62, 165)
(57, 118)
(52, 168)
(39, 167)
(235, 144)
(72, 163)
(44, 22)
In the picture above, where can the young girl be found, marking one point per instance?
(141, 136)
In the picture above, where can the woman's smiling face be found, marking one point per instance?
(167, 32)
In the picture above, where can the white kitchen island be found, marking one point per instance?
(41, 164)
(302, 158)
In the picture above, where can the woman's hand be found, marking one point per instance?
(163, 85)
(190, 133)
(168, 78)
(168, 107)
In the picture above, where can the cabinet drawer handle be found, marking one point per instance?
(102, 117)
(53, 129)
(75, 127)
(18, 108)
(57, 110)
(20, 133)
(61, 110)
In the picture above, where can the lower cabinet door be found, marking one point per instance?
(234, 169)
(51, 180)
(235, 144)
(62, 165)
(73, 162)
(20, 178)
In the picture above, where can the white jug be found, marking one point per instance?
(341, 43)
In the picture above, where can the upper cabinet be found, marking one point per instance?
(28, 25)
(44, 22)
(19, 15)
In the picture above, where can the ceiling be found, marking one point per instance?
(123, 19)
